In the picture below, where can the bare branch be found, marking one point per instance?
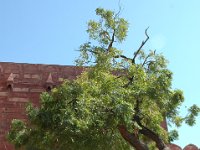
(119, 11)
(112, 41)
(142, 44)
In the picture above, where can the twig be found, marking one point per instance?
(145, 60)
(149, 55)
(91, 51)
(122, 56)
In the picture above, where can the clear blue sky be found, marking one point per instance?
(49, 32)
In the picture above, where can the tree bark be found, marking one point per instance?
(153, 136)
(132, 139)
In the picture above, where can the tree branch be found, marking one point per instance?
(145, 131)
(112, 41)
(145, 60)
(132, 139)
(93, 52)
(122, 56)
(152, 135)
(139, 49)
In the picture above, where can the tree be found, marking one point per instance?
(118, 102)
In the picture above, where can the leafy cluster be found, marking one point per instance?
(70, 118)
(114, 102)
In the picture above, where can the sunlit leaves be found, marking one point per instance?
(121, 29)
(107, 16)
(93, 29)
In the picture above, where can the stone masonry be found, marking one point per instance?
(21, 83)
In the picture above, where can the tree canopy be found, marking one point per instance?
(118, 102)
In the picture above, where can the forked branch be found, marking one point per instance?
(147, 57)
(142, 44)
(150, 134)
(132, 138)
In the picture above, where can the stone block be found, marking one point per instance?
(20, 89)
(3, 93)
(18, 99)
(27, 76)
(39, 90)
(35, 76)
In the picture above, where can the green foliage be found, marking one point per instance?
(18, 134)
(115, 90)
(193, 113)
(74, 116)
(173, 135)
(109, 22)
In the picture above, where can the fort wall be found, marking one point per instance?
(22, 83)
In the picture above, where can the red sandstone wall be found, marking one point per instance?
(20, 83)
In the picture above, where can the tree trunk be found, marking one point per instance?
(132, 139)
(153, 136)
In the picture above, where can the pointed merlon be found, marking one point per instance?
(49, 79)
(11, 78)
